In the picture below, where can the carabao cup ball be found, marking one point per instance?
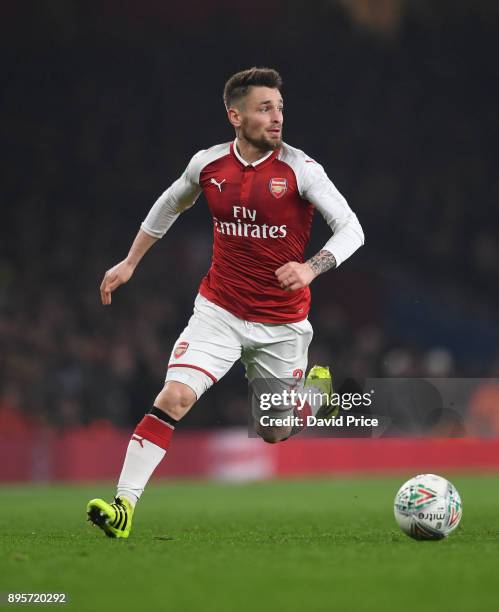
(427, 507)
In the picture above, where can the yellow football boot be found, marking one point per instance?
(115, 519)
(320, 380)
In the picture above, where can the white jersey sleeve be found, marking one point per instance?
(315, 187)
(180, 196)
(319, 190)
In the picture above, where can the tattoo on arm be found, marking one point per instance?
(322, 262)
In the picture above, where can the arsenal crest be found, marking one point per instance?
(278, 187)
(180, 349)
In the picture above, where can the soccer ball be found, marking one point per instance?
(427, 507)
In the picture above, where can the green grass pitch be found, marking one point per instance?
(328, 544)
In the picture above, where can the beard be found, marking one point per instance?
(263, 143)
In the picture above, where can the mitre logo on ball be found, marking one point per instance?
(180, 349)
(278, 187)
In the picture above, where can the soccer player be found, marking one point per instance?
(254, 301)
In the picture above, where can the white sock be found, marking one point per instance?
(142, 458)
(315, 398)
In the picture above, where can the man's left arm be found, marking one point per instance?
(347, 236)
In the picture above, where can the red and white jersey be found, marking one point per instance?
(262, 214)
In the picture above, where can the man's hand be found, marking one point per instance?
(113, 278)
(294, 275)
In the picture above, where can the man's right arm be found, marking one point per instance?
(122, 271)
(178, 197)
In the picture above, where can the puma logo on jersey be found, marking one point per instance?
(219, 185)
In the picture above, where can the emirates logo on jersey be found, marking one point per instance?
(278, 187)
(180, 349)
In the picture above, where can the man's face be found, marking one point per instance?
(259, 118)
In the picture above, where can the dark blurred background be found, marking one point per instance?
(104, 103)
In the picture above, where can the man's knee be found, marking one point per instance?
(272, 435)
(176, 399)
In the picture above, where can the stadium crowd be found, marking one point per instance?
(98, 120)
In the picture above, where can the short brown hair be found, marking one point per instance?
(238, 85)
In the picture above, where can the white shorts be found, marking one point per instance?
(215, 339)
